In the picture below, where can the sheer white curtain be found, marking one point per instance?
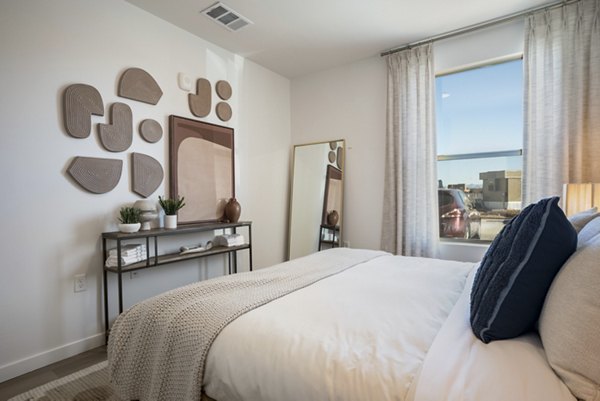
(410, 222)
(562, 99)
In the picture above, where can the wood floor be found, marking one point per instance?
(20, 384)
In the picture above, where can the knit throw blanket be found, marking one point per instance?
(157, 349)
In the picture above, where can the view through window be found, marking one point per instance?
(479, 117)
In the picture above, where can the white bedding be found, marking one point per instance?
(388, 312)
(459, 367)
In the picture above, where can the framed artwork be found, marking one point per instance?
(201, 161)
(333, 192)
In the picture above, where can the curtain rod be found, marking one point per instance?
(478, 26)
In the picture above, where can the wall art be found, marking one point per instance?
(223, 90)
(332, 200)
(201, 168)
(146, 174)
(96, 175)
(340, 158)
(200, 102)
(80, 102)
(137, 84)
(151, 131)
(223, 111)
(118, 135)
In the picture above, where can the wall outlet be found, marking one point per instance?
(80, 283)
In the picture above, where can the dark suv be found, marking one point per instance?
(458, 217)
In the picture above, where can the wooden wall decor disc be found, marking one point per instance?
(118, 135)
(340, 158)
(96, 175)
(224, 111)
(223, 90)
(331, 157)
(201, 101)
(80, 102)
(151, 130)
(146, 174)
(137, 84)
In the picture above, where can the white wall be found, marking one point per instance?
(350, 102)
(51, 228)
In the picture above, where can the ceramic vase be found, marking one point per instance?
(233, 210)
(332, 218)
(170, 221)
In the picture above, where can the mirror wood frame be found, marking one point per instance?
(338, 165)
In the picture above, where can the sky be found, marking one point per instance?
(479, 110)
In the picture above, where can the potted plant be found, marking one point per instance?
(171, 206)
(129, 219)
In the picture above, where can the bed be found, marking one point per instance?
(342, 324)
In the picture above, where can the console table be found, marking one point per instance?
(154, 259)
(334, 231)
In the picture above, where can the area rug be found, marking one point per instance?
(89, 384)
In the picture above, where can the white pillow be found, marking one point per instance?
(579, 220)
(459, 367)
(570, 321)
(589, 231)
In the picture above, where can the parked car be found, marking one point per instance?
(458, 216)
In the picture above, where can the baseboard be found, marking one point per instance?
(45, 358)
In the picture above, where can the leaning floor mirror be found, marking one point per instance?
(316, 201)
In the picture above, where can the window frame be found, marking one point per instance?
(476, 155)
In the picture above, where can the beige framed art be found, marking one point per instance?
(201, 168)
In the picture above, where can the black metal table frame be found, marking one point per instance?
(169, 258)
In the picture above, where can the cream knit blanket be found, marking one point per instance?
(157, 349)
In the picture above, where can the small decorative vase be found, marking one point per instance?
(233, 210)
(332, 218)
(149, 213)
(129, 228)
(170, 221)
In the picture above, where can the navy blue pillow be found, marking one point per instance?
(516, 272)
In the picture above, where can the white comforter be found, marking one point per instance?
(387, 314)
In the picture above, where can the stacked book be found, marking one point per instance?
(229, 240)
(130, 253)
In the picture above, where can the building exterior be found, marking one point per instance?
(501, 189)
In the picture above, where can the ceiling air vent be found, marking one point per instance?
(226, 17)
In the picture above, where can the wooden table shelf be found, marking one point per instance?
(155, 260)
(176, 257)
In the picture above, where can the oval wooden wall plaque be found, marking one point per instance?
(223, 90)
(224, 111)
(151, 130)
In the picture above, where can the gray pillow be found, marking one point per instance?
(579, 220)
(588, 232)
(570, 322)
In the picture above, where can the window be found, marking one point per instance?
(479, 117)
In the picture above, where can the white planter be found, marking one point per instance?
(129, 228)
(170, 221)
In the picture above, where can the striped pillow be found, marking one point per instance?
(514, 276)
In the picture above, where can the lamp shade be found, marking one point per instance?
(580, 197)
